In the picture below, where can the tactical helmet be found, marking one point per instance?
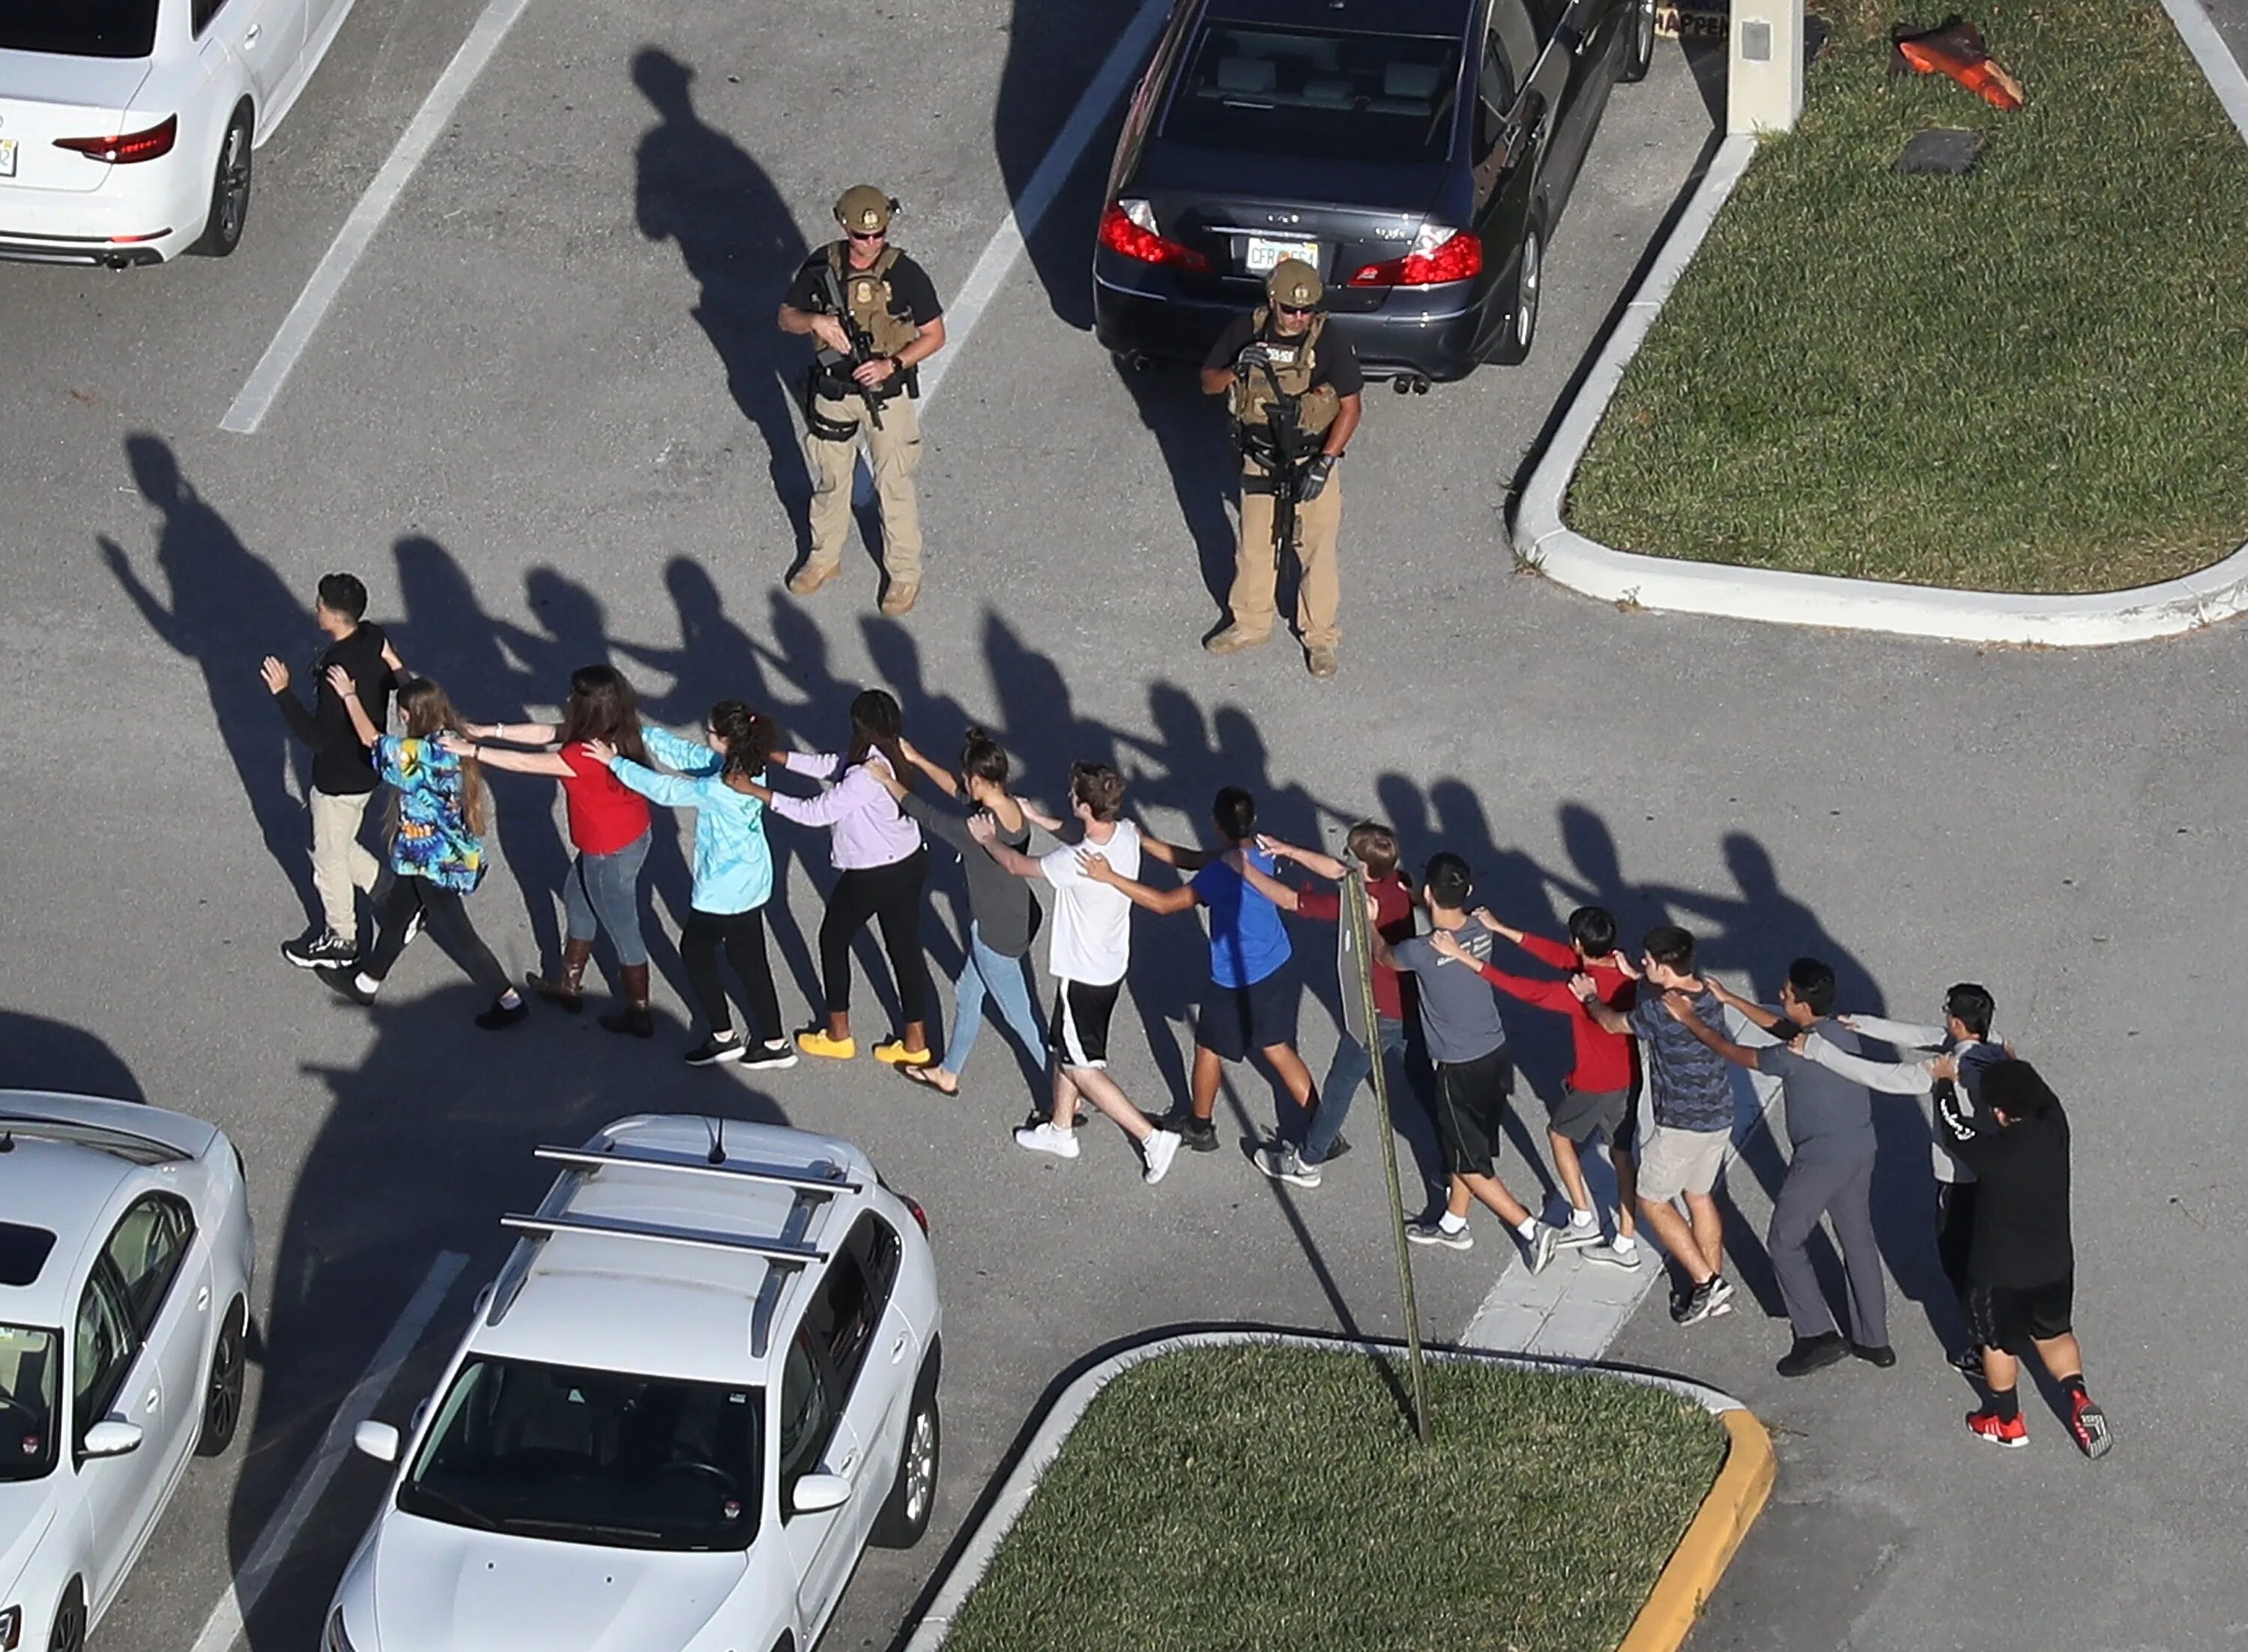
(864, 210)
(1295, 284)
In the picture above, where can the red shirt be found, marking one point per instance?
(1393, 916)
(1604, 1058)
(606, 814)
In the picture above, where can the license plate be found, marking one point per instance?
(1264, 254)
(7, 157)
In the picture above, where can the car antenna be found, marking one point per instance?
(7, 1140)
(718, 1141)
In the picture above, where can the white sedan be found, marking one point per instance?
(704, 1382)
(126, 125)
(125, 1256)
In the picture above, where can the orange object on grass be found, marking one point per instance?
(1956, 51)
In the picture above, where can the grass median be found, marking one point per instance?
(1261, 1498)
(2033, 378)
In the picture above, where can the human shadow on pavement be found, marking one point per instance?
(37, 1054)
(1054, 49)
(741, 243)
(1196, 443)
(226, 609)
(428, 1140)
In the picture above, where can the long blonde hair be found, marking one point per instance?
(426, 713)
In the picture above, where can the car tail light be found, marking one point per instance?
(920, 1216)
(1439, 255)
(124, 150)
(1128, 226)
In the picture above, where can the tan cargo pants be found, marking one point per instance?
(894, 454)
(341, 866)
(1318, 591)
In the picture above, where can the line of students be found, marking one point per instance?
(2004, 1240)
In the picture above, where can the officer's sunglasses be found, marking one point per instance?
(1298, 309)
(871, 235)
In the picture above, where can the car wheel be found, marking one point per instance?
(222, 1393)
(69, 1632)
(1521, 304)
(230, 202)
(905, 1516)
(1639, 51)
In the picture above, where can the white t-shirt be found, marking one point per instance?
(1091, 940)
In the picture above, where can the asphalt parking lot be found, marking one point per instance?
(546, 420)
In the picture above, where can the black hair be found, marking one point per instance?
(343, 593)
(1234, 812)
(603, 705)
(1973, 1007)
(751, 738)
(983, 759)
(2016, 1089)
(877, 724)
(1592, 931)
(1447, 880)
(1813, 982)
(1671, 947)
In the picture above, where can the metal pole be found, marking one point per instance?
(1354, 907)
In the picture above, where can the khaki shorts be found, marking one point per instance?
(1672, 1162)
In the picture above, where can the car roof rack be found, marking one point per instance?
(786, 1254)
(814, 1179)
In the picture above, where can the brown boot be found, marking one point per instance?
(567, 989)
(898, 600)
(635, 1016)
(809, 577)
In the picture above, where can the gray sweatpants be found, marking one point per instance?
(1843, 1193)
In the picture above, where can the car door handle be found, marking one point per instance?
(250, 39)
(202, 1299)
(898, 1348)
(150, 1404)
(849, 1457)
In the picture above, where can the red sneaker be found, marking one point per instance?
(2012, 1433)
(2089, 1423)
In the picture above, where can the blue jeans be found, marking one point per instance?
(602, 891)
(1008, 982)
(1352, 1066)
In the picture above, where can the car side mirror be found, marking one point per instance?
(112, 1438)
(377, 1440)
(817, 1494)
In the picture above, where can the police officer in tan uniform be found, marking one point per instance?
(1293, 390)
(874, 316)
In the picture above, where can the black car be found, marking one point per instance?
(1416, 153)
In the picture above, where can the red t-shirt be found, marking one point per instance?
(605, 814)
(1604, 1058)
(1393, 916)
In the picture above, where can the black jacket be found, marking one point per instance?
(342, 766)
(2021, 1236)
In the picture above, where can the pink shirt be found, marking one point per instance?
(866, 827)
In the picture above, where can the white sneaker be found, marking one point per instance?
(1576, 1236)
(1044, 1138)
(1161, 1149)
(1612, 1257)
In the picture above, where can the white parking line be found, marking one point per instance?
(421, 135)
(1006, 246)
(224, 1624)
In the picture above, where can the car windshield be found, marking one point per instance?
(1318, 95)
(79, 28)
(28, 1376)
(593, 1457)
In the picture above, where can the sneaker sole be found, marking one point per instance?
(2095, 1440)
(1566, 1239)
(292, 959)
(1293, 1178)
(1626, 1260)
(2003, 1445)
(1445, 1242)
(767, 1064)
(1050, 1153)
(717, 1061)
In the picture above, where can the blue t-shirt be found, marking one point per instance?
(1247, 941)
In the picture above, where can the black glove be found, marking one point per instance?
(1315, 477)
(1252, 356)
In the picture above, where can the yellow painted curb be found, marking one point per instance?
(1702, 1554)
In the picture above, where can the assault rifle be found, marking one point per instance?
(1280, 449)
(862, 346)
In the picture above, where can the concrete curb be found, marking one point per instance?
(2094, 619)
(1691, 1574)
(1734, 1500)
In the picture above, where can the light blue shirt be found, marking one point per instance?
(733, 864)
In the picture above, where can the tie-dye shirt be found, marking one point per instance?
(432, 840)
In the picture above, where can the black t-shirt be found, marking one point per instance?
(913, 296)
(1336, 363)
(340, 764)
(2021, 1236)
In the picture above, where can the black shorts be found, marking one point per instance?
(1582, 1114)
(1471, 1111)
(2006, 1316)
(1079, 1030)
(1235, 1020)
